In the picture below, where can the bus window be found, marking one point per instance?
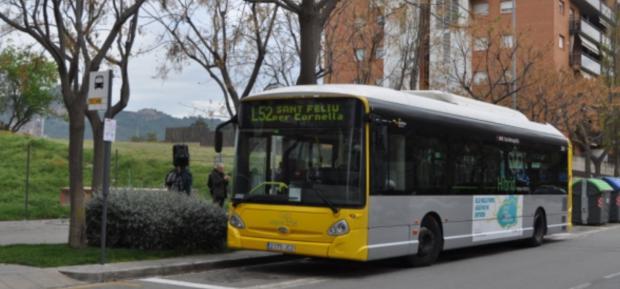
(429, 165)
(390, 162)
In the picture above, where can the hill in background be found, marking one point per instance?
(129, 124)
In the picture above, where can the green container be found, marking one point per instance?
(596, 209)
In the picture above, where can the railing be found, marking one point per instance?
(595, 3)
(606, 41)
(607, 12)
(591, 31)
(590, 64)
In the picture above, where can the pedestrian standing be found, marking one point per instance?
(179, 180)
(218, 184)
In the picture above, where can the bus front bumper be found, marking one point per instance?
(343, 247)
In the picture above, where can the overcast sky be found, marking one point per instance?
(189, 87)
(175, 95)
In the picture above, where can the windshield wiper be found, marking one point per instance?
(325, 200)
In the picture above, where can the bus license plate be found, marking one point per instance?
(280, 247)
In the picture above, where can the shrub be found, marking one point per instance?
(157, 220)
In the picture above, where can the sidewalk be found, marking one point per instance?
(23, 277)
(56, 232)
(34, 232)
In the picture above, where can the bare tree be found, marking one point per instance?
(571, 103)
(312, 16)
(227, 43)
(78, 35)
(406, 35)
(491, 48)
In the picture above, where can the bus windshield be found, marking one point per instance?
(300, 152)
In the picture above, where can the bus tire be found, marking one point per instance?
(430, 244)
(540, 228)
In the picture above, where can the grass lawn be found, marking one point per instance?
(139, 165)
(57, 255)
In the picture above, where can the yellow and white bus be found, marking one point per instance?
(364, 173)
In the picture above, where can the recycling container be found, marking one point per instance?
(596, 209)
(614, 199)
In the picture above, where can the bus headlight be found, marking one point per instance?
(236, 221)
(339, 228)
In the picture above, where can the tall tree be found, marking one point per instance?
(27, 80)
(312, 16)
(79, 35)
(230, 43)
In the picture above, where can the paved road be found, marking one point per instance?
(589, 259)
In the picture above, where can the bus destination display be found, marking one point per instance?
(305, 113)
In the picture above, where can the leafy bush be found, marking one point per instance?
(157, 220)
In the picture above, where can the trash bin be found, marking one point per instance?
(596, 210)
(614, 199)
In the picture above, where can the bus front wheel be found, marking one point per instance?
(430, 244)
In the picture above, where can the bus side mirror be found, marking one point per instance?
(219, 139)
(219, 136)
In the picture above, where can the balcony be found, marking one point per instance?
(590, 31)
(590, 64)
(607, 12)
(595, 7)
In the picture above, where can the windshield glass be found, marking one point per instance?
(306, 161)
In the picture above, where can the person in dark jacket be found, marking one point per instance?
(218, 183)
(179, 180)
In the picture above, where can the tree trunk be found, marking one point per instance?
(597, 167)
(588, 169)
(424, 45)
(310, 42)
(77, 228)
(616, 160)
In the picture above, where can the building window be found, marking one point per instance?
(561, 42)
(480, 77)
(507, 41)
(481, 8)
(359, 54)
(481, 44)
(505, 6)
(561, 4)
(571, 13)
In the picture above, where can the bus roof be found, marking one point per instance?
(439, 102)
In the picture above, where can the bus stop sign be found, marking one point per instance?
(99, 90)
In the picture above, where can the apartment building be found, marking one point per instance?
(572, 33)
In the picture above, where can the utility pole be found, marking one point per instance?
(514, 54)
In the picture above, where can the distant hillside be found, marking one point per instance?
(129, 124)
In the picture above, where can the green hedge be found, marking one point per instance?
(157, 220)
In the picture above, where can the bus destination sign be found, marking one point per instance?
(304, 113)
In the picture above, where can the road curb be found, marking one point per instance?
(112, 272)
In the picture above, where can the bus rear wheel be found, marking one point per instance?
(430, 244)
(540, 227)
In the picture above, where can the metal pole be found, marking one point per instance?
(27, 185)
(514, 54)
(116, 168)
(106, 175)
